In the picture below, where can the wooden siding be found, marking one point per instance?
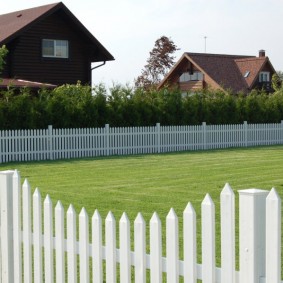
(191, 85)
(26, 61)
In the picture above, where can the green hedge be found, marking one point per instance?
(77, 106)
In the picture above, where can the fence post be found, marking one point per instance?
(7, 249)
(158, 136)
(107, 138)
(246, 133)
(252, 234)
(281, 132)
(50, 142)
(204, 135)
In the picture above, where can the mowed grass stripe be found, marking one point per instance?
(148, 183)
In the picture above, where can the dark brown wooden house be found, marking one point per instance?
(48, 44)
(238, 73)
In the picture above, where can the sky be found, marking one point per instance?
(128, 29)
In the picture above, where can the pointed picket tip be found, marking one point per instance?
(171, 214)
(207, 200)
(59, 206)
(37, 193)
(189, 209)
(124, 218)
(273, 195)
(26, 184)
(110, 217)
(83, 213)
(139, 219)
(155, 218)
(47, 200)
(96, 215)
(71, 209)
(227, 190)
(16, 174)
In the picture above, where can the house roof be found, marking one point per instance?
(227, 71)
(15, 23)
(17, 83)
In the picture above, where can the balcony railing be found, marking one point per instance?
(191, 85)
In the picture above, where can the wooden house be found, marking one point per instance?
(48, 45)
(196, 71)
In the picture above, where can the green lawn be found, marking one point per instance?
(148, 183)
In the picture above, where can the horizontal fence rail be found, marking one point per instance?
(51, 144)
(40, 240)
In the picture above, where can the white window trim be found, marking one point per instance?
(54, 42)
(267, 75)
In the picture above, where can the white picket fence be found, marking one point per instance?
(30, 253)
(48, 144)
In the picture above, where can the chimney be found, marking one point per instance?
(261, 53)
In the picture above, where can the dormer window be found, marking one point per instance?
(264, 77)
(52, 48)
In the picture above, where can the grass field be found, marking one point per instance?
(148, 183)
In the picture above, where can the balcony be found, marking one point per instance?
(191, 85)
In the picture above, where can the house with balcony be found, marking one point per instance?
(48, 46)
(197, 71)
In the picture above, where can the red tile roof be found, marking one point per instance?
(251, 65)
(221, 68)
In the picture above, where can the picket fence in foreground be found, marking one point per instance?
(48, 144)
(30, 253)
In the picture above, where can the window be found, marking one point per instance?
(186, 77)
(247, 74)
(55, 48)
(264, 77)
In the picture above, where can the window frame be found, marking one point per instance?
(56, 46)
(262, 77)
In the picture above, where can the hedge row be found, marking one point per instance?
(76, 106)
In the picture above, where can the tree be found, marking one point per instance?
(3, 53)
(160, 61)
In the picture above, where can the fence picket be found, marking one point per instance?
(273, 238)
(59, 237)
(71, 245)
(27, 232)
(84, 246)
(208, 239)
(48, 241)
(37, 236)
(125, 246)
(110, 240)
(172, 247)
(97, 248)
(140, 249)
(227, 234)
(190, 246)
(17, 226)
(155, 249)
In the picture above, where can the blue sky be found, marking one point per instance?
(129, 28)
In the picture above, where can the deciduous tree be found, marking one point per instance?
(161, 59)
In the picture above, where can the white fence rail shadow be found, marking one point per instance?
(48, 144)
(31, 250)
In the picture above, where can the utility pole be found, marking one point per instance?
(205, 44)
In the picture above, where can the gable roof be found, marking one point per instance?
(227, 71)
(14, 24)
